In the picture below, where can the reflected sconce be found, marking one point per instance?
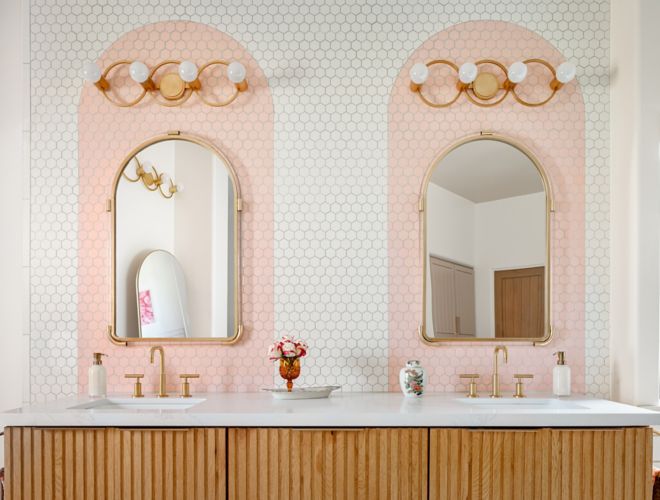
(153, 180)
(486, 88)
(174, 88)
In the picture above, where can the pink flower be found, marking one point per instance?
(301, 348)
(288, 348)
(275, 351)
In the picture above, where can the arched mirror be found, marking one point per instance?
(176, 252)
(486, 218)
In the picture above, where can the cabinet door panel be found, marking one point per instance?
(59, 463)
(465, 301)
(169, 464)
(113, 464)
(543, 464)
(327, 464)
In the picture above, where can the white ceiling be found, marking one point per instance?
(487, 170)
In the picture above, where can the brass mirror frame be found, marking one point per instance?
(549, 210)
(238, 209)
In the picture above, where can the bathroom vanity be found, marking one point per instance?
(371, 445)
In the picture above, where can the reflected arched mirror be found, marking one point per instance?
(487, 207)
(176, 244)
(162, 298)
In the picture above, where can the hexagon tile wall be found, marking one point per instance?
(243, 131)
(418, 133)
(330, 66)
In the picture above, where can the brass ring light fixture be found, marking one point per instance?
(153, 180)
(173, 88)
(484, 88)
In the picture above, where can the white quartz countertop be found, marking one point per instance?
(341, 410)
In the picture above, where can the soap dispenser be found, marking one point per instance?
(97, 377)
(561, 376)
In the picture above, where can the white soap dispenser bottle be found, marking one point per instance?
(97, 377)
(561, 376)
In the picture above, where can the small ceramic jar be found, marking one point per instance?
(412, 379)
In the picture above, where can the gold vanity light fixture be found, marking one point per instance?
(485, 88)
(174, 87)
(153, 180)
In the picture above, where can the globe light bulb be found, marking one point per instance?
(188, 71)
(566, 72)
(419, 73)
(139, 71)
(236, 72)
(91, 72)
(517, 72)
(467, 73)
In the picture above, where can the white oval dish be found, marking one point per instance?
(319, 392)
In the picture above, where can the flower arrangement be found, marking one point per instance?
(287, 347)
(288, 352)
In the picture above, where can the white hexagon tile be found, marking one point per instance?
(330, 66)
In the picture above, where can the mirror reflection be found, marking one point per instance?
(162, 299)
(175, 244)
(486, 246)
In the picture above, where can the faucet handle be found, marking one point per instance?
(137, 387)
(519, 383)
(472, 390)
(185, 385)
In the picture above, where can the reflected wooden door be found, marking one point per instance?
(519, 302)
(443, 297)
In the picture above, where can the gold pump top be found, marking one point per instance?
(561, 357)
(97, 358)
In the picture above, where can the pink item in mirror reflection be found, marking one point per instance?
(146, 308)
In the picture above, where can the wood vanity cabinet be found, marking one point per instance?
(284, 463)
(541, 464)
(115, 464)
(328, 464)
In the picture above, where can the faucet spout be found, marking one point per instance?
(162, 381)
(496, 372)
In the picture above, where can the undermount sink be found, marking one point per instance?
(173, 403)
(521, 403)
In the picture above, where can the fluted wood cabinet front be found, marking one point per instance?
(543, 464)
(113, 464)
(328, 464)
(60, 463)
(171, 464)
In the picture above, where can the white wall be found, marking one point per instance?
(222, 256)
(146, 222)
(635, 210)
(510, 234)
(193, 231)
(15, 195)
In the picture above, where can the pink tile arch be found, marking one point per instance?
(243, 131)
(417, 134)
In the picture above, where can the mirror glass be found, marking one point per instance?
(486, 245)
(175, 244)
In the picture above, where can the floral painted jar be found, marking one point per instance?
(412, 379)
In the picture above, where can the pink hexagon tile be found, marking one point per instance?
(417, 134)
(243, 131)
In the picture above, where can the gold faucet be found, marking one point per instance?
(161, 390)
(496, 373)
